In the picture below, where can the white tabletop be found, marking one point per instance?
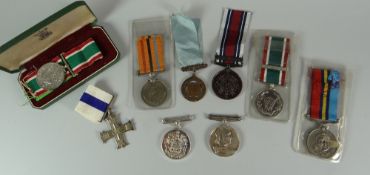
(58, 141)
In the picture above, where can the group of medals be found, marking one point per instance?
(273, 73)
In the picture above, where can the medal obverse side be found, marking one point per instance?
(154, 93)
(193, 89)
(50, 76)
(227, 84)
(322, 143)
(224, 141)
(269, 103)
(176, 144)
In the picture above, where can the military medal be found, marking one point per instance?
(325, 90)
(94, 106)
(151, 61)
(224, 140)
(50, 76)
(188, 50)
(176, 143)
(227, 84)
(269, 102)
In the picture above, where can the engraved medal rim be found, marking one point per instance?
(232, 73)
(187, 150)
(260, 94)
(145, 99)
(213, 132)
(58, 67)
(187, 82)
(314, 133)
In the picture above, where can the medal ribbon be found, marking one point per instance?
(78, 58)
(324, 94)
(231, 38)
(275, 55)
(186, 32)
(150, 54)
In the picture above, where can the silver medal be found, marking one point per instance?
(50, 76)
(269, 103)
(322, 143)
(154, 93)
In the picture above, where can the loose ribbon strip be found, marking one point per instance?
(232, 37)
(275, 55)
(150, 54)
(78, 58)
(186, 34)
(324, 95)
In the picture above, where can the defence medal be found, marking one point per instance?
(176, 143)
(227, 84)
(94, 106)
(186, 34)
(275, 53)
(325, 84)
(151, 61)
(224, 140)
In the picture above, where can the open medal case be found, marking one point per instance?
(61, 32)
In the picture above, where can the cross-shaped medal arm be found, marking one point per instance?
(117, 130)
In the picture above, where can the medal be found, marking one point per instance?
(186, 33)
(273, 72)
(94, 106)
(224, 140)
(151, 61)
(325, 83)
(176, 143)
(50, 76)
(227, 84)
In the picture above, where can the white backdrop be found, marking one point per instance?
(58, 141)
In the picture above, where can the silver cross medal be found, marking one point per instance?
(117, 130)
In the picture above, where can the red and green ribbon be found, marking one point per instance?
(275, 60)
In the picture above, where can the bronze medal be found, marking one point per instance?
(227, 84)
(193, 88)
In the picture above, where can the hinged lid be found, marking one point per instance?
(43, 35)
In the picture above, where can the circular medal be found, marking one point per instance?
(50, 76)
(154, 93)
(224, 141)
(322, 143)
(227, 84)
(176, 144)
(193, 89)
(269, 103)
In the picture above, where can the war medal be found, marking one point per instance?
(151, 61)
(325, 90)
(275, 53)
(227, 84)
(186, 33)
(176, 143)
(94, 106)
(224, 140)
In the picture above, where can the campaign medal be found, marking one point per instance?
(94, 105)
(193, 88)
(275, 53)
(224, 140)
(186, 34)
(325, 84)
(176, 143)
(150, 58)
(227, 84)
(50, 76)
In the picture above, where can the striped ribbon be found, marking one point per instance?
(150, 54)
(275, 55)
(231, 38)
(78, 58)
(324, 94)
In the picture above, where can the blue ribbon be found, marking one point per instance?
(334, 78)
(94, 102)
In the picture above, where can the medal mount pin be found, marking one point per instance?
(176, 142)
(224, 140)
(276, 50)
(193, 88)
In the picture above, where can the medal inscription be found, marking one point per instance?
(224, 141)
(269, 103)
(50, 76)
(227, 84)
(154, 93)
(176, 144)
